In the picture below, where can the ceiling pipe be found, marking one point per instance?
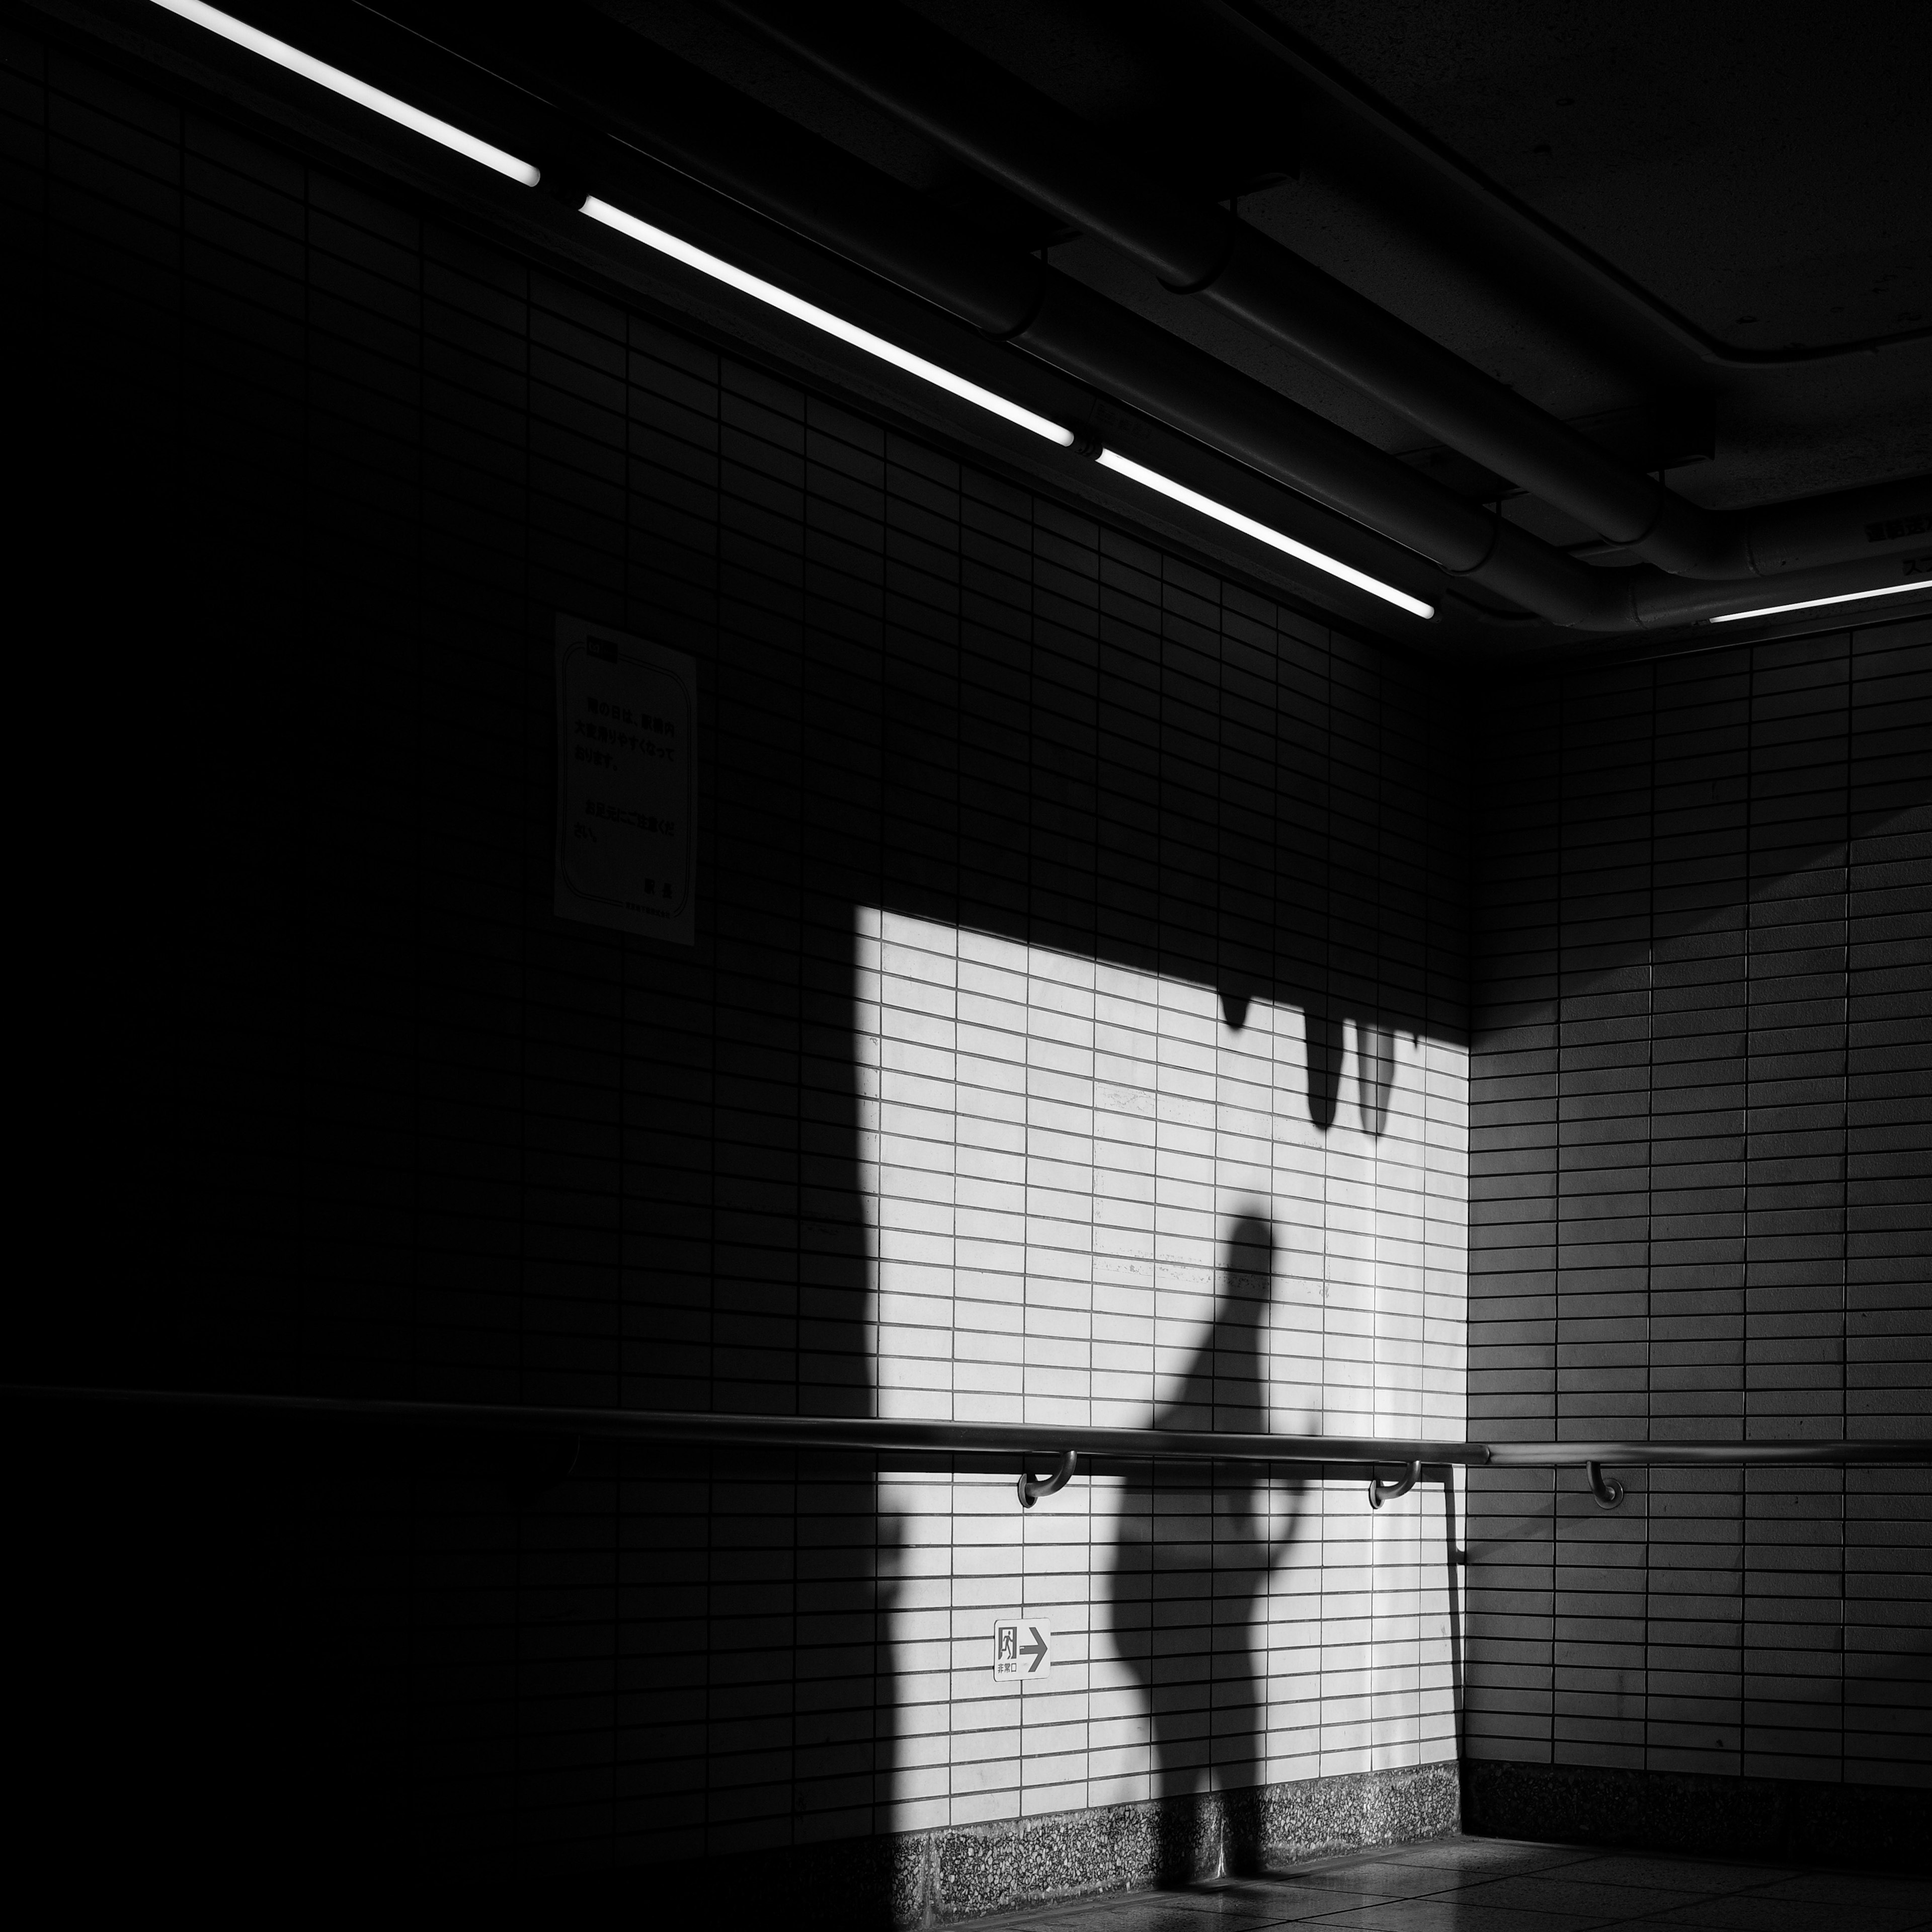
(1266, 33)
(601, 74)
(983, 116)
(1123, 355)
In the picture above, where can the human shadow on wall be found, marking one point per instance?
(1191, 1564)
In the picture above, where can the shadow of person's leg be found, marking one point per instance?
(1135, 1587)
(1179, 1777)
(1238, 1757)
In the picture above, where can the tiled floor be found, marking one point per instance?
(1499, 1885)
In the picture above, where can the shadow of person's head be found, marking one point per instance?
(1247, 1260)
(1226, 1385)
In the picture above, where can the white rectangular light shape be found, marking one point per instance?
(1055, 1221)
(811, 313)
(1815, 603)
(1152, 479)
(350, 89)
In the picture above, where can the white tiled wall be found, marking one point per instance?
(1057, 1152)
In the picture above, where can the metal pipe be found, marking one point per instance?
(1120, 353)
(602, 74)
(865, 1435)
(1266, 32)
(1705, 1450)
(1032, 1487)
(995, 123)
(594, 74)
(1380, 1493)
(874, 1434)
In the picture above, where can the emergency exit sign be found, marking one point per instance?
(1022, 1648)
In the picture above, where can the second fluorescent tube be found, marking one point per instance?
(679, 250)
(1179, 493)
(769, 293)
(811, 313)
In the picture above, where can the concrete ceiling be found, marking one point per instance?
(1615, 210)
(1700, 234)
(1765, 170)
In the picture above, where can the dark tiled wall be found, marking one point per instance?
(1701, 1178)
(341, 1106)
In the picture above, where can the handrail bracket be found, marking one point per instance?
(1032, 1487)
(1380, 1493)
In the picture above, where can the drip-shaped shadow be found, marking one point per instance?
(1191, 1560)
(1375, 1074)
(1325, 1040)
(1325, 1033)
(1322, 1038)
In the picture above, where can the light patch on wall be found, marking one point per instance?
(1094, 1199)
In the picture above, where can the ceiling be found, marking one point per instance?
(1764, 171)
(1699, 233)
(1617, 211)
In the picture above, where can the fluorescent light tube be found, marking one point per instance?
(810, 313)
(1152, 479)
(350, 89)
(1812, 603)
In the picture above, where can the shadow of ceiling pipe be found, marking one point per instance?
(1322, 1041)
(986, 118)
(1375, 1075)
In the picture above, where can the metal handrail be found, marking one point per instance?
(1066, 1444)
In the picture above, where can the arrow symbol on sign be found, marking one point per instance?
(1036, 1650)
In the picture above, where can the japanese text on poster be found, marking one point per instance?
(626, 781)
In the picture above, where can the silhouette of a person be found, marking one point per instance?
(1191, 1561)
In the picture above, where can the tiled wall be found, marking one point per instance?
(1701, 1207)
(1095, 1200)
(361, 1114)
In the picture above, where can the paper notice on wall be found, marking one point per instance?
(626, 780)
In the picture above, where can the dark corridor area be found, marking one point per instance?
(1608, 950)
(381, 1124)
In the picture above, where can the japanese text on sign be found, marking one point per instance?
(1022, 1648)
(625, 710)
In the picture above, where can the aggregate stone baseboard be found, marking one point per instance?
(958, 1873)
(970, 1870)
(1780, 1819)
